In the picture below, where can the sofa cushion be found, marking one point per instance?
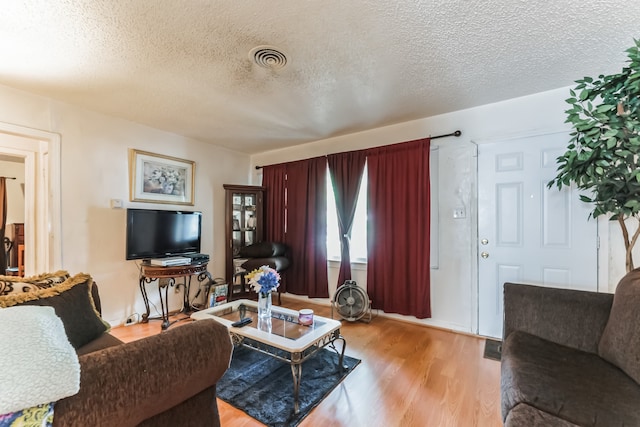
(620, 342)
(16, 285)
(540, 310)
(72, 302)
(524, 415)
(574, 385)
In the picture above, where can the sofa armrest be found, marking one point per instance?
(564, 316)
(126, 384)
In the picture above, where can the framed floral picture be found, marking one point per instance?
(155, 178)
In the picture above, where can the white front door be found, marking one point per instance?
(528, 233)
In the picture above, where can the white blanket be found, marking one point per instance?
(39, 363)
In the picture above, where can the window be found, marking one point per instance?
(358, 245)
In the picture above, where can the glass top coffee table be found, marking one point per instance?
(281, 336)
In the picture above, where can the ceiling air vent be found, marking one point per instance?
(268, 57)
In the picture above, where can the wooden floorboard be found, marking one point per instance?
(410, 375)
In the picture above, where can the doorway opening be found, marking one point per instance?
(12, 168)
(40, 152)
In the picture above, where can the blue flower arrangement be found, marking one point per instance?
(264, 280)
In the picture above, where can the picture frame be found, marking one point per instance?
(156, 178)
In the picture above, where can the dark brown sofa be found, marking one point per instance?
(167, 379)
(571, 358)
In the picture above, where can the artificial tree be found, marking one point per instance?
(604, 150)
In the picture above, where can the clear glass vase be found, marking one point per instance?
(264, 324)
(264, 305)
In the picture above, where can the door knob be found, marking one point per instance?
(484, 255)
(484, 241)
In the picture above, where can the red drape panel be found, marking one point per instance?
(3, 223)
(306, 231)
(274, 180)
(398, 271)
(346, 174)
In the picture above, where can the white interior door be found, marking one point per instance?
(528, 233)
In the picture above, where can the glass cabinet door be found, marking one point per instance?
(244, 221)
(244, 226)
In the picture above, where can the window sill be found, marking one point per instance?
(355, 265)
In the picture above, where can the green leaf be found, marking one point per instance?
(584, 94)
(585, 199)
(605, 107)
(633, 204)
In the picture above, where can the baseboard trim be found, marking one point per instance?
(431, 323)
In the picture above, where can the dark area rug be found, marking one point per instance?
(492, 349)
(262, 386)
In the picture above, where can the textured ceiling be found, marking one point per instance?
(183, 65)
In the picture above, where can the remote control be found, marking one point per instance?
(242, 322)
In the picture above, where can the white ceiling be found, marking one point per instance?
(183, 65)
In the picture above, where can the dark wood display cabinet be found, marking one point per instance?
(244, 223)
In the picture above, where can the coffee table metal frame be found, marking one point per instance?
(324, 332)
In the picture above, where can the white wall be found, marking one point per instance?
(15, 189)
(454, 283)
(95, 170)
(94, 157)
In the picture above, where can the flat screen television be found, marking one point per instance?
(161, 233)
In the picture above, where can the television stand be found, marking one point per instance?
(152, 273)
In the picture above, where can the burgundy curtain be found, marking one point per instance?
(3, 223)
(306, 227)
(398, 271)
(346, 174)
(274, 180)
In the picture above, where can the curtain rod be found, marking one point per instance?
(8, 177)
(456, 134)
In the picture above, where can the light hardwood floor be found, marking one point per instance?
(410, 376)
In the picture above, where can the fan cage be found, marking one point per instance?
(351, 303)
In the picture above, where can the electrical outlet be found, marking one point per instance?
(459, 213)
(132, 319)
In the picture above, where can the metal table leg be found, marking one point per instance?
(186, 306)
(340, 353)
(164, 304)
(145, 298)
(296, 371)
